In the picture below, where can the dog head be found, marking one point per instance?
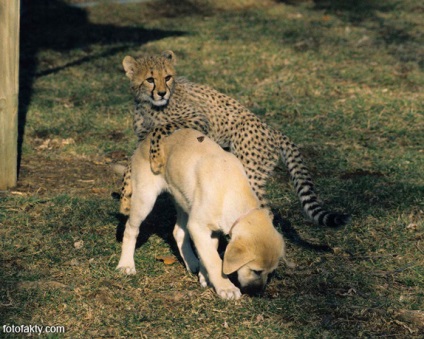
(254, 252)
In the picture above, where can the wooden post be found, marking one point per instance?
(9, 81)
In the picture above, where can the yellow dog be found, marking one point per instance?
(212, 194)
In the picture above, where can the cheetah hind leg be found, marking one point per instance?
(126, 192)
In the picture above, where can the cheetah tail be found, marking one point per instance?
(304, 187)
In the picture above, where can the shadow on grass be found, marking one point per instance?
(160, 221)
(397, 35)
(375, 194)
(54, 25)
(290, 234)
(355, 11)
(369, 194)
(162, 218)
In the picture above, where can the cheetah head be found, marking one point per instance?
(152, 78)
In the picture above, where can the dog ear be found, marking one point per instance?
(130, 65)
(236, 255)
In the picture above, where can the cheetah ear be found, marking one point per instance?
(170, 56)
(130, 66)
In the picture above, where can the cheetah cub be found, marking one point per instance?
(165, 103)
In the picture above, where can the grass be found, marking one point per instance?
(344, 81)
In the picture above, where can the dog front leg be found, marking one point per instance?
(182, 238)
(210, 259)
(203, 274)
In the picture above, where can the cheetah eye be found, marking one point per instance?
(150, 80)
(168, 77)
(257, 272)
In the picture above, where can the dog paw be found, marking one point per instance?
(232, 293)
(202, 280)
(128, 270)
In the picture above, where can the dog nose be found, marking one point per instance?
(253, 290)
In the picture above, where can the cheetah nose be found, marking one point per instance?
(162, 94)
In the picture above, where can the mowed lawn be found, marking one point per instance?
(344, 80)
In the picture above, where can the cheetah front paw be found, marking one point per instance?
(156, 161)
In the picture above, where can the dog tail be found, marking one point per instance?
(304, 187)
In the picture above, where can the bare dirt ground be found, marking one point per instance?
(45, 176)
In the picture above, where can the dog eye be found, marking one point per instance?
(167, 78)
(257, 272)
(150, 80)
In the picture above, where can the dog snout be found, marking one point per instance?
(254, 289)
